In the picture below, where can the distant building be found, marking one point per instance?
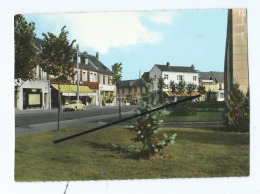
(130, 90)
(213, 81)
(173, 73)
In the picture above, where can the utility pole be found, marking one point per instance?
(77, 72)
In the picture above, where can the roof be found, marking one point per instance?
(186, 69)
(93, 64)
(212, 75)
(38, 43)
(133, 83)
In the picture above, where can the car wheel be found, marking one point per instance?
(75, 108)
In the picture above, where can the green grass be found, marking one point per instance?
(200, 116)
(200, 152)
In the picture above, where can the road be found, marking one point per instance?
(33, 121)
(30, 117)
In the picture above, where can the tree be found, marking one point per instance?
(117, 71)
(57, 55)
(148, 127)
(190, 88)
(161, 86)
(201, 89)
(181, 87)
(25, 52)
(172, 86)
(237, 109)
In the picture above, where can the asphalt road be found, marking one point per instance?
(30, 117)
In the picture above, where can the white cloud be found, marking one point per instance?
(103, 30)
(163, 17)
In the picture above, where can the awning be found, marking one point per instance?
(194, 93)
(71, 90)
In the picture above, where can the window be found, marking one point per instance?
(101, 79)
(194, 78)
(221, 95)
(166, 76)
(93, 77)
(180, 77)
(84, 76)
(106, 79)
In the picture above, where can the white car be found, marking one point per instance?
(74, 105)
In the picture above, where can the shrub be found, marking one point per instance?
(237, 109)
(148, 127)
(211, 96)
(184, 110)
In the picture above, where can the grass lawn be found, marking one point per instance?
(200, 152)
(200, 116)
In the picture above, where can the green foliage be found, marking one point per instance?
(148, 127)
(237, 109)
(190, 88)
(172, 86)
(161, 86)
(201, 89)
(209, 106)
(25, 52)
(117, 71)
(181, 86)
(211, 96)
(57, 54)
(184, 110)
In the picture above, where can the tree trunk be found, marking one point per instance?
(59, 105)
(119, 100)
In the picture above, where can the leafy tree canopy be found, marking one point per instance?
(57, 55)
(117, 71)
(25, 51)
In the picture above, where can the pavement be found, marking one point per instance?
(36, 128)
(100, 120)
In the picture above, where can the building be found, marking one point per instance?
(173, 73)
(213, 81)
(236, 54)
(130, 90)
(34, 93)
(95, 82)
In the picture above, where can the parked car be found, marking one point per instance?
(74, 105)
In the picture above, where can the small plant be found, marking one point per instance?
(148, 127)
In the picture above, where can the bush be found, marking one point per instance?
(148, 128)
(237, 109)
(183, 110)
(209, 106)
(211, 96)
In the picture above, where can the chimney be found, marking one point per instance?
(192, 67)
(97, 55)
(167, 64)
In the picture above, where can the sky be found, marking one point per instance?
(141, 39)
